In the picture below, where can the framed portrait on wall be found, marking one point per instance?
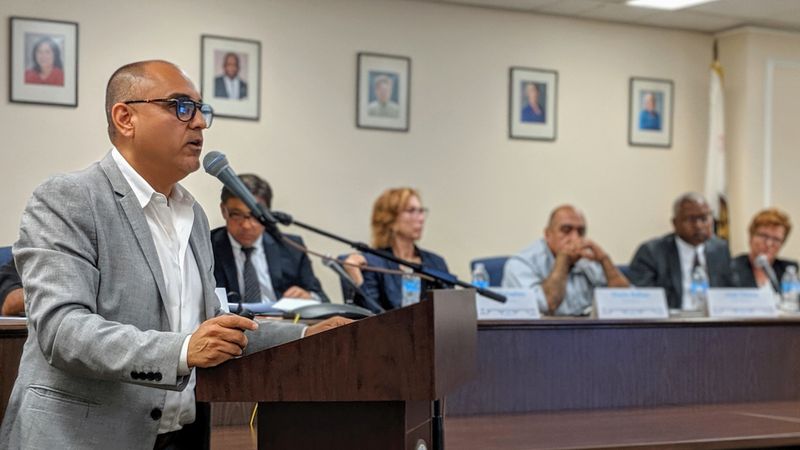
(230, 76)
(650, 112)
(383, 91)
(44, 62)
(532, 99)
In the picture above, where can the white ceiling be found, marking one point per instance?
(711, 17)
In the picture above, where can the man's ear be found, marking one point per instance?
(123, 119)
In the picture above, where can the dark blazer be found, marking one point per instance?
(386, 289)
(221, 91)
(657, 264)
(9, 280)
(742, 270)
(287, 266)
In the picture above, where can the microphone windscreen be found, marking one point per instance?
(214, 162)
(762, 261)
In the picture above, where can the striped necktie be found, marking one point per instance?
(252, 290)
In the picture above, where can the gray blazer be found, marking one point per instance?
(99, 352)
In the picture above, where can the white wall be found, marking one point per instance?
(488, 194)
(762, 87)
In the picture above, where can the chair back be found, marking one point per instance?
(5, 255)
(494, 267)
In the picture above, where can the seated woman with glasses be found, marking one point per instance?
(768, 232)
(397, 222)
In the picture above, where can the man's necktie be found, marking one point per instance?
(252, 290)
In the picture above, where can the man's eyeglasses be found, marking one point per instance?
(238, 216)
(769, 239)
(185, 108)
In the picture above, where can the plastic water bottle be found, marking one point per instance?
(790, 289)
(411, 289)
(480, 277)
(699, 289)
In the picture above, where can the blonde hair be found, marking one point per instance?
(385, 211)
(770, 217)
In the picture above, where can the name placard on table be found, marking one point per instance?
(630, 303)
(732, 302)
(520, 305)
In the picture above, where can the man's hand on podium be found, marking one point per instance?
(327, 324)
(218, 340)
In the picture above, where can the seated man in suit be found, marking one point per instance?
(11, 299)
(252, 263)
(768, 232)
(564, 267)
(668, 261)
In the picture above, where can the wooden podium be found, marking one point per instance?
(367, 385)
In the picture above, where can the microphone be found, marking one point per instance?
(763, 263)
(216, 164)
(337, 267)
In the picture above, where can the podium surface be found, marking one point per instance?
(366, 385)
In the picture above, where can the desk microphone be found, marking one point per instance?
(336, 267)
(763, 263)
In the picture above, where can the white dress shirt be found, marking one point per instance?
(170, 221)
(686, 253)
(232, 86)
(259, 260)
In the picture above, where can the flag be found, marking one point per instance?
(715, 187)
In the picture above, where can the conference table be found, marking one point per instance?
(585, 383)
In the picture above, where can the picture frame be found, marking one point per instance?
(532, 103)
(230, 76)
(43, 67)
(650, 109)
(383, 91)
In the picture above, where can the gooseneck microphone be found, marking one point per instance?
(763, 263)
(216, 164)
(337, 267)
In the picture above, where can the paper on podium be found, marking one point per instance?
(290, 304)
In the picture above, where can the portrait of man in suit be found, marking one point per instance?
(383, 98)
(259, 266)
(229, 84)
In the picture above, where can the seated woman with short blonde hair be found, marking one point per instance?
(768, 232)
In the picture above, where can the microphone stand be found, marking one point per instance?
(442, 278)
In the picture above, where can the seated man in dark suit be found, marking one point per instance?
(11, 298)
(252, 263)
(668, 261)
(768, 232)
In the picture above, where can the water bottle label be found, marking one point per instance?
(788, 286)
(411, 284)
(698, 287)
(480, 284)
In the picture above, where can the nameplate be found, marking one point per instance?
(630, 303)
(730, 303)
(520, 305)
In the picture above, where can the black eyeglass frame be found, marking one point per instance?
(208, 116)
